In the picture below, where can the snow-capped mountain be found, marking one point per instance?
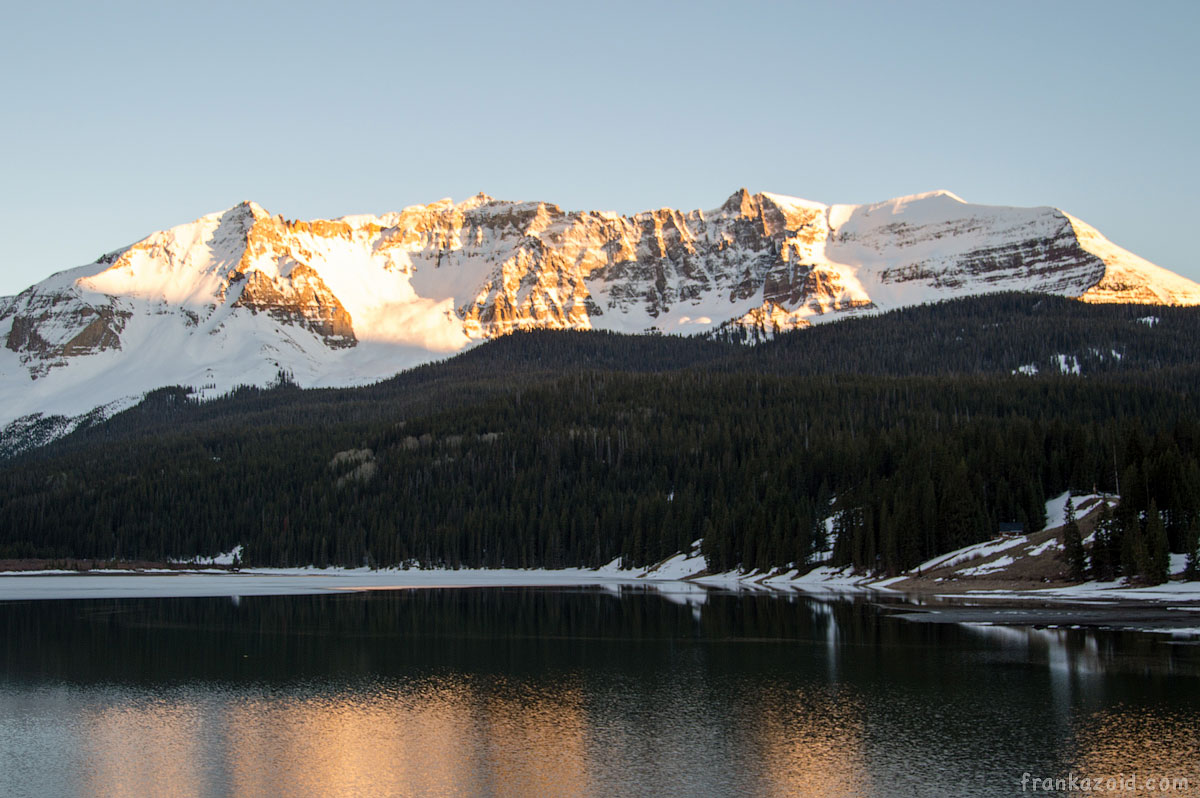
(234, 297)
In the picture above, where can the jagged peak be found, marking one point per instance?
(236, 217)
(743, 203)
(253, 208)
(476, 201)
(236, 222)
(740, 202)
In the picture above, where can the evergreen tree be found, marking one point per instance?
(1192, 538)
(1158, 560)
(1073, 546)
(1133, 543)
(1105, 548)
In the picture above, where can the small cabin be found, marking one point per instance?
(1008, 529)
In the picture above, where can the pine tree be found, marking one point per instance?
(1073, 546)
(843, 542)
(1105, 548)
(1192, 571)
(1158, 560)
(1133, 546)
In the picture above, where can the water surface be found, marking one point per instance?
(583, 691)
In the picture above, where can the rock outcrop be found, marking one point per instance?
(241, 295)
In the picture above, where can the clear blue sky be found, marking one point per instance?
(123, 118)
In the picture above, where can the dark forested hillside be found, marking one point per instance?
(995, 334)
(907, 433)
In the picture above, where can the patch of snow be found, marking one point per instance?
(838, 579)
(1068, 364)
(679, 566)
(284, 581)
(1043, 547)
(1056, 508)
(826, 554)
(727, 578)
(784, 578)
(613, 569)
(221, 559)
(1116, 590)
(973, 552)
(998, 564)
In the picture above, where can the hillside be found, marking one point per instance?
(575, 448)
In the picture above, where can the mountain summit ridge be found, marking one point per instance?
(238, 295)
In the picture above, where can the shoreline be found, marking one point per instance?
(1172, 609)
(1181, 623)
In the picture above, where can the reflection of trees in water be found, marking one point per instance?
(517, 691)
(511, 630)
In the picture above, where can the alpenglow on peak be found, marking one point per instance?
(238, 295)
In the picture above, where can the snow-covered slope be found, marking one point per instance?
(236, 296)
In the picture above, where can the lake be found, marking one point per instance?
(576, 691)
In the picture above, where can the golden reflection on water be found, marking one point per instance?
(468, 735)
(150, 748)
(543, 741)
(812, 743)
(350, 744)
(1120, 743)
(448, 739)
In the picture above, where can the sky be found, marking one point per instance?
(123, 118)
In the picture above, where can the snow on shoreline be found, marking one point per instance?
(671, 575)
(281, 582)
(682, 575)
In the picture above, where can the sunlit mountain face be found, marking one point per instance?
(237, 296)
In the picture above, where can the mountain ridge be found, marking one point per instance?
(236, 296)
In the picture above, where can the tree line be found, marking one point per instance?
(599, 465)
(879, 441)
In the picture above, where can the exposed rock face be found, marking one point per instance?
(240, 295)
(48, 327)
(299, 298)
(549, 268)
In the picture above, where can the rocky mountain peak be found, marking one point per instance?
(742, 203)
(234, 296)
(251, 207)
(476, 201)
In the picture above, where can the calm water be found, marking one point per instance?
(536, 691)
